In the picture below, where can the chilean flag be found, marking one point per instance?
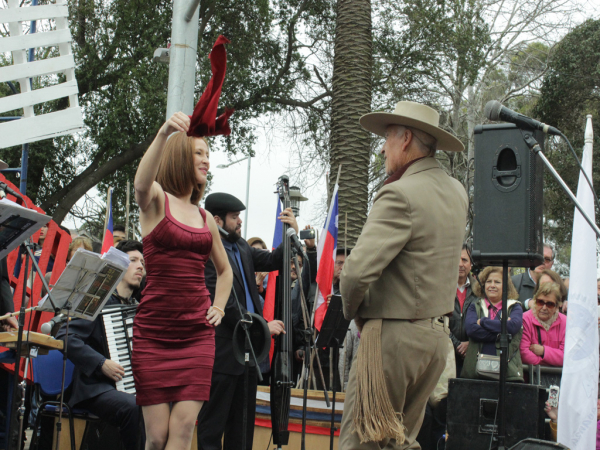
(326, 260)
(108, 233)
(269, 306)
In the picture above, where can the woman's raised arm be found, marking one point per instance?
(146, 191)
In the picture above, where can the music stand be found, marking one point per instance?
(85, 285)
(17, 225)
(332, 334)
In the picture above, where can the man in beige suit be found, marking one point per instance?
(399, 280)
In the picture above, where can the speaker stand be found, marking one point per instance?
(504, 341)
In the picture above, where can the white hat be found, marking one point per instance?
(415, 115)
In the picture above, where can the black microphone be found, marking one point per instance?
(291, 233)
(47, 327)
(222, 231)
(495, 111)
(5, 189)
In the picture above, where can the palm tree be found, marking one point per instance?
(350, 144)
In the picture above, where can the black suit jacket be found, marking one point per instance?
(6, 295)
(86, 348)
(253, 260)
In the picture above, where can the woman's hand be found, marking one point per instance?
(260, 278)
(537, 349)
(552, 412)
(177, 122)
(214, 316)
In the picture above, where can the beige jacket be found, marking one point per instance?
(405, 262)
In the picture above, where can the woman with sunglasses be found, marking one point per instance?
(544, 328)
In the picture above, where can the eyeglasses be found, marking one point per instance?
(549, 305)
(548, 260)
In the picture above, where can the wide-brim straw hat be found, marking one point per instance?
(414, 115)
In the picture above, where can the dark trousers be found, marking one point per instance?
(224, 413)
(119, 409)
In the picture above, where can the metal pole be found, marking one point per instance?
(536, 148)
(24, 166)
(127, 211)
(504, 342)
(183, 56)
(192, 7)
(25, 147)
(247, 197)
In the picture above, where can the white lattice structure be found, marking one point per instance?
(31, 128)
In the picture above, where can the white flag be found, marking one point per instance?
(579, 386)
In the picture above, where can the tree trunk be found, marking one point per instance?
(350, 144)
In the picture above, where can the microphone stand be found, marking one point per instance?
(14, 442)
(535, 147)
(246, 323)
(307, 333)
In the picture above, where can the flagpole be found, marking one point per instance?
(312, 318)
(579, 384)
(108, 206)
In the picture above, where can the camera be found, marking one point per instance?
(307, 234)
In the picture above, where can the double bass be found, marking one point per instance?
(283, 358)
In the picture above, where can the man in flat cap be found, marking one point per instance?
(221, 418)
(400, 279)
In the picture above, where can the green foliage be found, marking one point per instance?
(570, 91)
(123, 92)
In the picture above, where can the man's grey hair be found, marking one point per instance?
(426, 143)
(551, 249)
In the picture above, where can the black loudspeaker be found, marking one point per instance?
(472, 419)
(508, 198)
(536, 444)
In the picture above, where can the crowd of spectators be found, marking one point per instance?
(537, 302)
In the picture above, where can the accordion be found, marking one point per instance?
(118, 326)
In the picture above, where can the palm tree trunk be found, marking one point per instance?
(350, 144)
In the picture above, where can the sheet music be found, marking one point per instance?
(17, 224)
(87, 282)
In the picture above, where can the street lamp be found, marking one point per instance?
(295, 198)
(225, 166)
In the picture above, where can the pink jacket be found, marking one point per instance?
(553, 340)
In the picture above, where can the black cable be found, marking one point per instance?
(270, 439)
(581, 169)
(437, 446)
(493, 427)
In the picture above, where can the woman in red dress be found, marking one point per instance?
(173, 334)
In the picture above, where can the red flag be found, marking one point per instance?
(269, 307)
(204, 121)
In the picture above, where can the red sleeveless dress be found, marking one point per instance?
(173, 343)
